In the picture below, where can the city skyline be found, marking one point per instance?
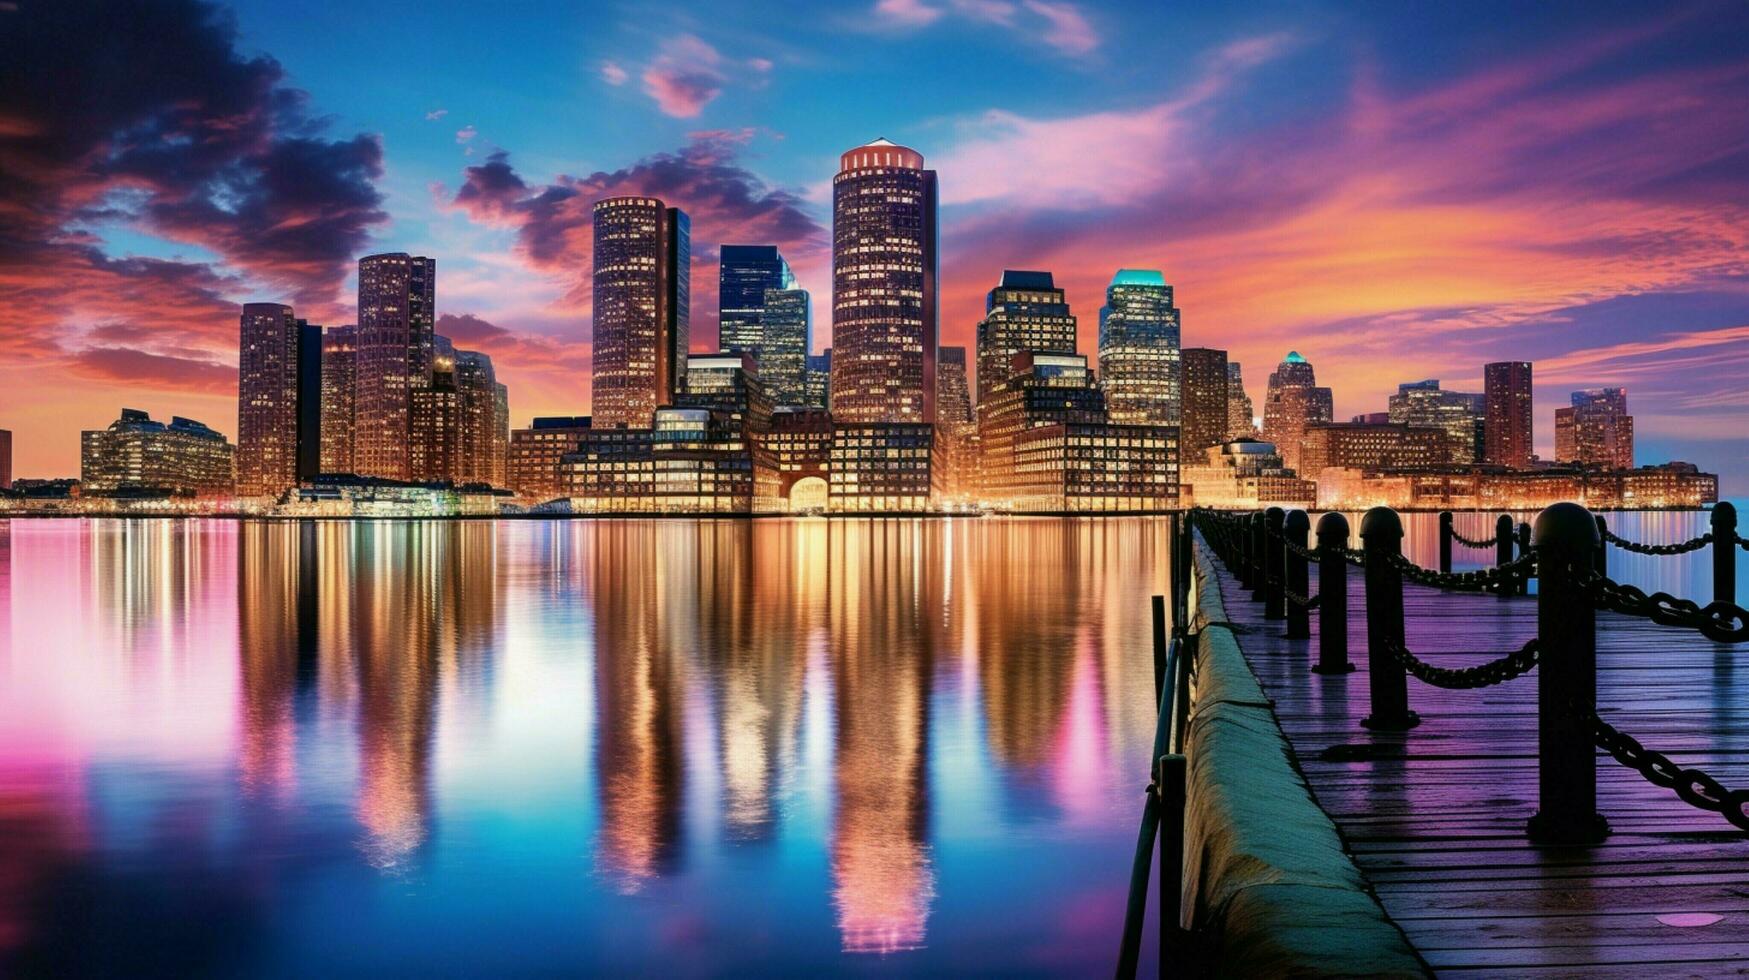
(142, 308)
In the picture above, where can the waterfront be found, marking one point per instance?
(692, 746)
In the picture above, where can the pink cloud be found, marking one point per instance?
(906, 13)
(1066, 29)
(466, 134)
(612, 73)
(685, 76)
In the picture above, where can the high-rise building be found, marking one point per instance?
(820, 379)
(884, 322)
(1138, 349)
(786, 327)
(500, 441)
(483, 444)
(184, 458)
(436, 423)
(729, 384)
(642, 308)
(745, 273)
(267, 400)
(397, 295)
(1040, 389)
(1461, 414)
(339, 360)
(537, 454)
(5, 459)
(1507, 428)
(1205, 406)
(1293, 402)
(309, 401)
(953, 396)
(1026, 311)
(1596, 431)
(1241, 414)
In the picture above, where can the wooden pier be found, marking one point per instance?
(1432, 789)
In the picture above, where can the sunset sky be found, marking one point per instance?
(1397, 190)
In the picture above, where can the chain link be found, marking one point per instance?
(1301, 551)
(1694, 544)
(1694, 786)
(1481, 580)
(1309, 602)
(1722, 621)
(1493, 672)
(1473, 542)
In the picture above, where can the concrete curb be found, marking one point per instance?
(1265, 869)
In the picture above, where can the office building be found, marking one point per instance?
(1370, 447)
(1241, 414)
(1507, 428)
(786, 326)
(5, 459)
(1094, 468)
(1293, 402)
(792, 461)
(727, 383)
(1243, 474)
(1205, 403)
(884, 321)
(397, 295)
(537, 453)
(1596, 431)
(339, 362)
(267, 400)
(1461, 414)
(1138, 349)
(953, 394)
(745, 273)
(642, 308)
(1039, 389)
(689, 461)
(436, 422)
(309, 453)
(136, 455)
(883, 467)
(1026, 311)
(484, 409)
(820, 380)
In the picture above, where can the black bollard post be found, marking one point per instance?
(1332, 596)
(1724, 552)
(1239, 527)
(1159, 649)
(1600, 559)
(1274, 564)
(1381, 535)
(1294, 529)
(1259, 557)
(1566, 682)
(1503, 554)
(1445, 542)
(1521, 582)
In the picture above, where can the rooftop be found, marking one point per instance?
(1139, 277)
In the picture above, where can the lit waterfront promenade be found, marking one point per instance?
(1425, 768)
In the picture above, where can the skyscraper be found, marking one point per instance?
(482, 446)
(1041, 388)
(744, 274)
(1241, 415)
(1205, 400)
(953, 395)
(1596, 430)
(436, 423)
(339, 360)
(5, 459)
(1025, 312)
(786, 329)
(397, 295)
(884, 325)
(267, 400)
(1138, 349)
(1459, 413)
(309, 400)
(820, 379)
(1293, 402)
(1508, 431)
(642, 303)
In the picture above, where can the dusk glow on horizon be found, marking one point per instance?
(1398, 192)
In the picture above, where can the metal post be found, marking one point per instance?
(1600, 558)
(1381, 535)
(1332, 596)
(1503, 554)
(1724, 552)
(1274, 571)
(1259, 557)
(1295, 529)
(1566, 540)
(1445, 542)
(1159, 650)
(1239, 526)
(1170, 781)
(1521, 582)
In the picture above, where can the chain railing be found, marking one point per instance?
(1680, 548)
(1514, 664)
(1481, 580)
(1725, 622)
(1695, 787)
(1477, 543)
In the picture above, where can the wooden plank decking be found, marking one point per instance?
(1435, 816)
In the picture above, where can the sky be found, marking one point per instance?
(1398, 191)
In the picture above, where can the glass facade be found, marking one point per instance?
(1096, 468)
(820, 379)
(339, 362)
(137, 455)
(1596, 430)
(267, 400)
(642, 303)
(537, 454)
(690, 461)
(1138, 349)
(883, 468)
(1459, 413)
(1026, 311)
(1292, 403)
(397, 295)
(1205, 398)
(884, 326)
(787, 328)
(1241, 414)
(1041, 389)
(1508, 428)
(745, 274)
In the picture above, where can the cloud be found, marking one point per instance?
(436, 114)
(1058, 25)
(465, 134)
(137, 368)
(684, 77)
(907, 13)
(1066, 29)
(612, 73)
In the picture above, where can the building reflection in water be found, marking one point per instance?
(644, 597)
(883, 629)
